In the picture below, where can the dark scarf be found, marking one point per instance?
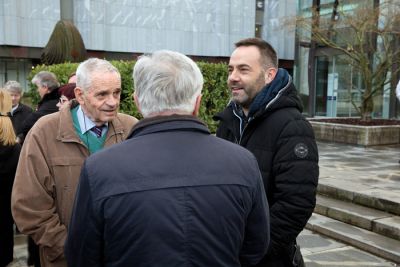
(269, 92)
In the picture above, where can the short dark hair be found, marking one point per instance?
(269, 57)
(67, 90)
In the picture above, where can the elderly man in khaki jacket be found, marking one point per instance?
(53, 154)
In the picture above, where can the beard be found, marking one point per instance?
(245, 96)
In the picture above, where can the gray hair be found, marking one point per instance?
(13, 87)
(88, 67)
(46, 78)
(166, 81)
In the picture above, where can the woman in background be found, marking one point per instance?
(66, 94)
(9, 153)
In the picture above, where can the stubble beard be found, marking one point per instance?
(248, 93)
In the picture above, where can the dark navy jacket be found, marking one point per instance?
(170, 195)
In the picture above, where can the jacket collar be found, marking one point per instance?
(168, 123)
(52, 95)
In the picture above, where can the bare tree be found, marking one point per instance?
(367, 36)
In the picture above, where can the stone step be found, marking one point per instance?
(359, 194)
(377, 221)
(371, 242)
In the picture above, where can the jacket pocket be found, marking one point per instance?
(65, 172)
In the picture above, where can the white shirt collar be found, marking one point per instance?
(85, 123)
(13, 109)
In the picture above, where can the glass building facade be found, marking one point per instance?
(328, 85)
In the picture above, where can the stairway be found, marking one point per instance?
(362, 220)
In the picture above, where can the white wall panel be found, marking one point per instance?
(182, 25)
(195, 27)
(274, 31)
(28, 22)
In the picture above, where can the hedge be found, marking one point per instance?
(215, 91)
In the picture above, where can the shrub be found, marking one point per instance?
(215, 92)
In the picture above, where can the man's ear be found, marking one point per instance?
(79, 95)
(135, 99)
(197, 105)
(270, 74)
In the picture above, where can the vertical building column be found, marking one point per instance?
(259, 18)
(311, 61)
(67, 10)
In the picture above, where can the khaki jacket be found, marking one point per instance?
(47, 177)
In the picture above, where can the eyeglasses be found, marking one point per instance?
(62, 100)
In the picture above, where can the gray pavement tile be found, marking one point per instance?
(344, 256)
(388, 226)
(311, 242)
(363, 239)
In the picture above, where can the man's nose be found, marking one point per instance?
(112, 101)
(233, 76)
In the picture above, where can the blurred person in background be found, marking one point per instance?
(72, 78)
(47, 86)
(66, 95)
(9, 153)
(19, 111)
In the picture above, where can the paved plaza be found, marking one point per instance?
(374, 171)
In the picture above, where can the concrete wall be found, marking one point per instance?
(27, 22)
(356, 135)
(195, 27)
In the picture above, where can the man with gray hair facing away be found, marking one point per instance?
(47, 86)
(172, 194)
(53, 154)
(19, 111)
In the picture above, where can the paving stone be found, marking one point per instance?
(388, 227)
(380, 199)
(349, 213)
(345, 256)
(311, 242)
(368, 241)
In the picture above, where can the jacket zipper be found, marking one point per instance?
(266, 107)
(241, 131)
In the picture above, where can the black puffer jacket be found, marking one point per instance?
(283, 142)
(46, 106)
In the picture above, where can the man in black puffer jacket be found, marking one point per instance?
(265, 117)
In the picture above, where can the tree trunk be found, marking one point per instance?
(367, 106)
